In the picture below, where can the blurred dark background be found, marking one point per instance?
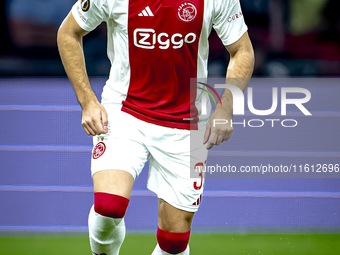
(290, 38)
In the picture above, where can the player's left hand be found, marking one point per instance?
(216, 133)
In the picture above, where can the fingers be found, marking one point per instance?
(88, 128)
(228, 135)
(94, 127)
(105, 121)
(218, 137)
(214, 140)
(100, 123)
(207, 134)
(97, 125)
(95, 121)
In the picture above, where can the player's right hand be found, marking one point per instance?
(94, 118)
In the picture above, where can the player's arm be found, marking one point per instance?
(94, 116)
(239, 71)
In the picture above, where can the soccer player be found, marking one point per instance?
(147, 110)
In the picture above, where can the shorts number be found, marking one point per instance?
(200, 168)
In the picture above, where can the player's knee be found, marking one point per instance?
(172, 243)
(110, 205)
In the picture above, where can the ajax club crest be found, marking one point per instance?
(98, 150)
(187, 11)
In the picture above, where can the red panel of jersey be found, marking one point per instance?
(163, 48)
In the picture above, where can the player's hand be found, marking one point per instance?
(94, 118)
(220, 132)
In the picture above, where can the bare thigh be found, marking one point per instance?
(115, 182)
(174, 220)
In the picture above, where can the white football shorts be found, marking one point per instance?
(173, 152)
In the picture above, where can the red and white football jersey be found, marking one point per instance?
(155, 47)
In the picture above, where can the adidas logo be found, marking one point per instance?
(146, 12)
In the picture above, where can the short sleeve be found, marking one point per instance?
(89, 13)
(228, 21)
